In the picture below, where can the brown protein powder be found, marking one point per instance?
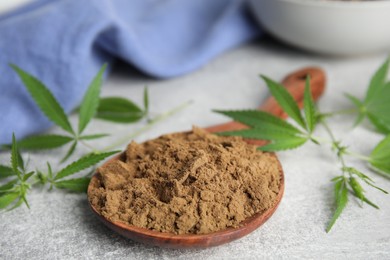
(182, 183)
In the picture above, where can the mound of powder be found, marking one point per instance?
(181, 183)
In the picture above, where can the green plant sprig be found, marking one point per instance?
(59, 180)
(283, 135)
(13, 193)
(91, 106)
(114, 109)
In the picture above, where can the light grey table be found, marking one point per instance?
(60, 225)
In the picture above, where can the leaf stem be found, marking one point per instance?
(359, 156)
(321, 140)
(336, 144)
(93, 149)
(341, 112)
(328, 130)
(159, 118)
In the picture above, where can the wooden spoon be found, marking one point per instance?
(295, 84)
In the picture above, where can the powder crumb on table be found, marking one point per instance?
(187, 183)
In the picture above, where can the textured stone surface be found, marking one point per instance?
(61, 226)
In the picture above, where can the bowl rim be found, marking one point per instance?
(338, 3)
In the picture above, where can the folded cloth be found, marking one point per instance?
(64, 42)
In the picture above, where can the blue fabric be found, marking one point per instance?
(64, 43)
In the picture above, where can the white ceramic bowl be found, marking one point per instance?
(9, 5)
(328, 26)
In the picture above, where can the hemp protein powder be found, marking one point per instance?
(186, 183)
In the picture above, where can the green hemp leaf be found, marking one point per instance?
(265, 126)
(285, 100)
(376, 105)
(341, 195)
(90, 101)
(82, 163)
(380, 156)
(122, 110)
(44, 99)
(43, 142)
(14, 192)
(5, 171)
(49, 105)
(77, 184)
